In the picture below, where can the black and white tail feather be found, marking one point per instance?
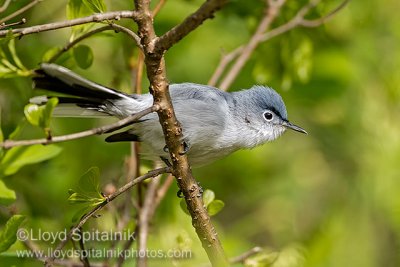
(88, 99)
(85, 99)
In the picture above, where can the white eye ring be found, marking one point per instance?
(268, 115)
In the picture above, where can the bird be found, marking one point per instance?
(214, 123)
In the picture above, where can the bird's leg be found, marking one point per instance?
(165, 149)
(166, 161)
(179, 194)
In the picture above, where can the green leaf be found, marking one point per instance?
(7, 196)
(215, 206)
(40, 115)
(77, 198)
(208, 197)
(96, 6)
(13, 52)
(49, 54)
(184, 207)
(33, 113)
(17, 157)
(89, 182)
(48, 111)
(8, 235)
(83, 56)
(76, 9)
(88, 189)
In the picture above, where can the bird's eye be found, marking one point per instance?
(268, 115)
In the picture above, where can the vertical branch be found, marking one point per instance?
(154, 49)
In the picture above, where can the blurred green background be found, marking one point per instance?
(331, 198)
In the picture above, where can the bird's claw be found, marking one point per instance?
(166, 161)
(186, 148)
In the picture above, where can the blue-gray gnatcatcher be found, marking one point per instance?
(214, 123)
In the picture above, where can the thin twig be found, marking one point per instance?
(270, 14)
(244, 256)
(144, 220)
(4, 25)
(20, 11)
(158, 7)
(95, 131)
(129, 32)
(84, 259)
(49, 261)
(223, 63)
(322, 20)
(114, 15)
(5, 6)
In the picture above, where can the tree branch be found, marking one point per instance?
(5, 6)
(114, 15)
(244, 256)
(83, 220)
(145, 215)
(155, 64)
(95, 131)
(20, 11)
(206, 11)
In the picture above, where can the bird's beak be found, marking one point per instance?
(294, 127)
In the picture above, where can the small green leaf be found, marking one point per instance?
(33, 113)
(88, 191)
(76, 9)
(184, 207)
(77, 198)
(8, 235)
(17, 157)
(96, 6)
(7, 196)
(49, 54)
(48, 111)
(89, 182)
(83, 56)
(40, 115)
(15, 58)
(208, 197)
(215, 206)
